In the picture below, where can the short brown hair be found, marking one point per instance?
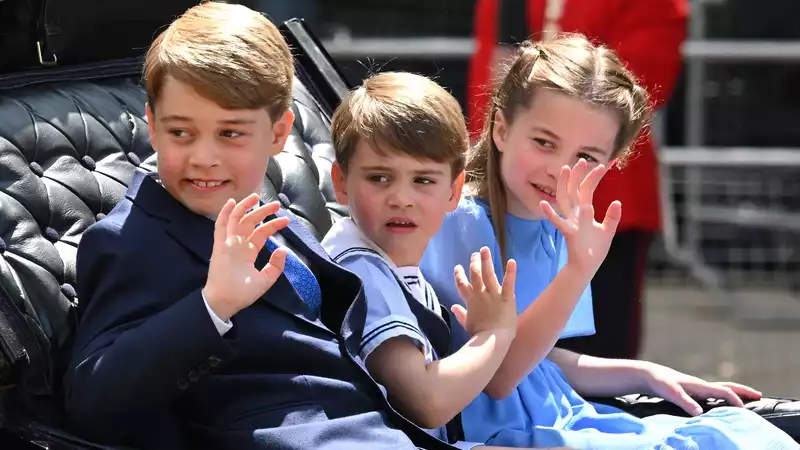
(402, 112)
(571, 65)
(229, 53)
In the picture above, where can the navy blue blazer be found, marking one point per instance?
(149, 368)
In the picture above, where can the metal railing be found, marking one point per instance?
(705, 50)
(694, 158)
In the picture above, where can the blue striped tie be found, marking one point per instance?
(301, 278)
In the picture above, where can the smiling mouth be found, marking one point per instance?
(545, 190)
(207, 184)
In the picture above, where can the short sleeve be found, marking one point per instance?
(581, 323)
(388, 313)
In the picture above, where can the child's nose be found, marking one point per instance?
(400, 197)
(556, 162)
(204, 155)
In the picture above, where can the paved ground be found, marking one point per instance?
(689, 329)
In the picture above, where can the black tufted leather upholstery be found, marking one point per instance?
(67, 151)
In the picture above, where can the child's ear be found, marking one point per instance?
(339, 179)
(455, 193)
(280, 131)
(500, 130)
(151, 126)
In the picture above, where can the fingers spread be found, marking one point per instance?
(613, 216)
(462, 284)
(562, 225)
(256, 216)
(238, 213)
(562, 190)
(475, 272)
(589, 184)
(509, 280)
(487, 268)
(575, 180)
(277, 261)
(221, 224)
(260, 235)
(461, 314)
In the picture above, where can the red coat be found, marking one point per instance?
(647, 35)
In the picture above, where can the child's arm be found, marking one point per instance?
(540, 325)
(431, 393)
(601, 377)
(139, 346)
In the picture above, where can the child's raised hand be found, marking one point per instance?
(233, 281)
(587, 240)
(490, 306)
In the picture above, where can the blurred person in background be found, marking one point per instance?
(647, 35)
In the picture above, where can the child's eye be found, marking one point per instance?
(378, 178)
(544, 143)
(231, 134)
(422, 180)
(589, 158)
(179, 133)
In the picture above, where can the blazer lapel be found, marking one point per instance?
(194, 232)
(300, 235)
(343, 304)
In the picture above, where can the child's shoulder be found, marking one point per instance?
(472, 207)
(470, 218)
(128, 221)
(350, 248)
(111, 224)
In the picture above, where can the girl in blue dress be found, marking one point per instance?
(565, 112)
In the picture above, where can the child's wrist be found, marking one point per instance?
(577, 274)
(220, 309)
(501, 336)
(641, 375)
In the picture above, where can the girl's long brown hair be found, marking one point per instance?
(571, 65)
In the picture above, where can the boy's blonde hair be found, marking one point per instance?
(401, 112)
(571, 65)
(230, 54)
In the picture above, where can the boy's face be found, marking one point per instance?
(207, 154)
(398, 202)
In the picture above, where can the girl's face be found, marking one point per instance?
(556, 130)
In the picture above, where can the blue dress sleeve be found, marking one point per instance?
(581, 323)
(388, 313)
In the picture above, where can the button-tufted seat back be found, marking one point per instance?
(68, 149)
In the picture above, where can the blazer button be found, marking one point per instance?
(213, 361)
(182, 383)
(193, 376)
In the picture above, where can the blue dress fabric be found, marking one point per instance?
(545, 410)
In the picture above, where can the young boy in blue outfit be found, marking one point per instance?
(204, 326)
(400, 143)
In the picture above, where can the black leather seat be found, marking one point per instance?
(67, 151)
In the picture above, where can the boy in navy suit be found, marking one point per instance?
(191, 334)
